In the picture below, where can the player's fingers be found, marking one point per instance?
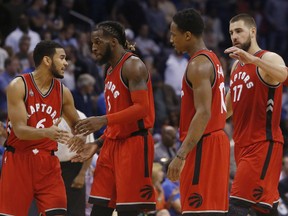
(58, 121)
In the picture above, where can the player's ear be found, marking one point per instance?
(47, 60)
(188, 35)
(114, 41)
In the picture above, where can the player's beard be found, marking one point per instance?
(106, 56)
(246, 45)
(55, 73)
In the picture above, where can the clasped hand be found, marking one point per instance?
(90, 125)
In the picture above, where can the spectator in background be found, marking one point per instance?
(165, 149)
(23, 27)
(276, 14)
(23, 54)
(157, 178)
(66, 37)
(12, 69)
(83, 94)
(36, 15)
(3, 55)
(213, 34)
(156, 21)
(166, 103)
(54, 22)
(145, 44)
(14, 8)
(168, 8)
(172, 196)
(283, 185)
(175, 68)
(130, 13)
(31, 63)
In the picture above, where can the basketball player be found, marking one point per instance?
(202, 161)
(122, 178)
(35, 104)
(254, 100)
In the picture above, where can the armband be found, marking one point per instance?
(137, 111)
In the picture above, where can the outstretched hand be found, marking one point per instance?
(241, 55)
(57, 134)
(90, 125)
(76, 143)
(87, 152)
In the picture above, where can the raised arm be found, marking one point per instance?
(271, 66)
(18, 116)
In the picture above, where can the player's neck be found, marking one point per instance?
(42, 80)
(200, 45)
(118, 54)
(254, 48)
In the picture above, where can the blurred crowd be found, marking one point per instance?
(23, 23)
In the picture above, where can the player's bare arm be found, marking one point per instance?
(271, 66)
(135, 74)
(18, 116)
(199, 73)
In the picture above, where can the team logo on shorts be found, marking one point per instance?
(146, 192)
(258, 192)
(195, 200)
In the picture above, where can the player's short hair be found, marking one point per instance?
(44, 48)
(248, 20)
(189, 20)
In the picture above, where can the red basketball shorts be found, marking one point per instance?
(122, 176)
(204, 179)
(257, 176)
(27, 175)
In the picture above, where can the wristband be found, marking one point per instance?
(180, 157)
(99, 142)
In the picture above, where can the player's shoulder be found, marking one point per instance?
(17, 82)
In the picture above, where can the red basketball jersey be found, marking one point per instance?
(285, 83)
(117, 98)
(42, 111)
(218, 108)
(256, 106)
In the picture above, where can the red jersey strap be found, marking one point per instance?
(260, 53)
